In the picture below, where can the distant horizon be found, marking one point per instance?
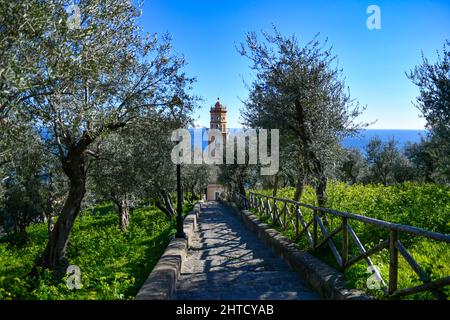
(360, 140)
(422, 129)
(384, 129)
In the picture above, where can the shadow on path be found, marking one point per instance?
(227, 261)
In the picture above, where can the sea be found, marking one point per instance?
(401, 137)
(359, 141)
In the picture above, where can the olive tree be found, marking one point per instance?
(24, 26)
(422, 156)
(135, 165)
(25, 29)
(195, 179)
(433, 80)
(299, 90)
(158, 170)
(101, 76)
(386, 163)
(23, 189)
(113, 177)
(237, 176)
(353, 167)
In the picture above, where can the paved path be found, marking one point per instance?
(227, 261)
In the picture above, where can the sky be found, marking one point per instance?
(374, 62)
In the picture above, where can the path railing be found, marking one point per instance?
(285, 213)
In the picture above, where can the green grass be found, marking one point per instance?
(425, 206)
(114, 264)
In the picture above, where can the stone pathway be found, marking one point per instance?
(227, 261)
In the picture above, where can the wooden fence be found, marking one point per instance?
(285, 212)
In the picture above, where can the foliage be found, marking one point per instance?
(238, 176)
(421, 158)
(30, 186)
(300, 90)
(386, 163)
(135, 164)
(113, 264)
(353, 167)
(195, 179)
(89, 79)
(433, 80)
(23, 26)
(425, 206)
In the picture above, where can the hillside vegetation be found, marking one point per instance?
(113, 263)
(421, 205)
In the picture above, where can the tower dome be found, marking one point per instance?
(219, 106)
(218, 117)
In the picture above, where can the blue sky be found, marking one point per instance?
(373, 61)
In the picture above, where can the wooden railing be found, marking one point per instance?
(285, 212)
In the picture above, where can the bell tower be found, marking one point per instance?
(218, 121)
(218, 117)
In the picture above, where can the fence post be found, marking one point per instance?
(344, 241)
(393, 261)
(314, 229)
(296, 222)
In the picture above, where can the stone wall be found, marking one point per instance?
(160, 285)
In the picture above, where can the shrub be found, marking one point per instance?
(425, 206)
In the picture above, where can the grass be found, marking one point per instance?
(114, 264)
(425, 206)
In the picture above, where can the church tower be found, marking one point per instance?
(218, 117)
(218, 121)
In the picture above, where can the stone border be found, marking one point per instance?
(160, 284)
(316, 274)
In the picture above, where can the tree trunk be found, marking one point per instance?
(285, 181)
(353, 178)
(320, 191)
(241, 189)
(167, 208)
(53, 256)
(170, 201)
(124, 213)
(275, 186)
(164, 209)
(321, 196)
(299, 188)
(193, 195)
